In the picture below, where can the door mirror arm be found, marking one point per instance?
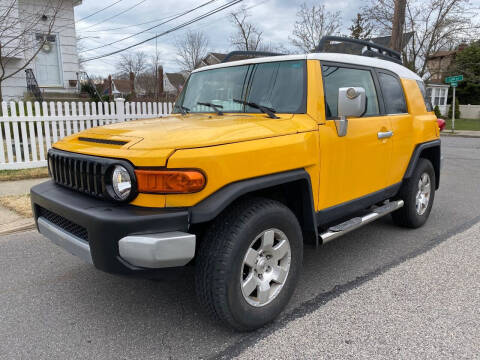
(352, 101)
(342, 126)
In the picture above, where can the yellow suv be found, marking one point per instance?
(260, 156)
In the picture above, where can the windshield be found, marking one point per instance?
(280, 86)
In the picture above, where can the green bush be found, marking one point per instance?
(457, 110)
(437, 112)
(90, 90)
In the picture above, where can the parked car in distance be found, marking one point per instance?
(259, 157)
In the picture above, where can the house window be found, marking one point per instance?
(443, 93)
(439, 96)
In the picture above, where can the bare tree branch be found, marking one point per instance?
(246, 37)
(191, 50)
(437, 25)
(312, 24)
(135, 63)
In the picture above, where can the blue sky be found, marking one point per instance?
(274, 17)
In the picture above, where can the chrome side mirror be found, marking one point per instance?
(352, 101)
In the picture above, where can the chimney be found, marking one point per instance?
(160, 81)
(132, 85)
(110, 86)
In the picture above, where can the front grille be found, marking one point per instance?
(67, 225)
(83, 174)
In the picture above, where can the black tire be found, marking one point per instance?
(220, 262)
(408, 216)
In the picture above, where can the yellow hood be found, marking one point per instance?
(162, 136)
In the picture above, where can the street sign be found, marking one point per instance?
(454, 79)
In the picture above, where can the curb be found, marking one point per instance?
(17, 226)
(461, 135)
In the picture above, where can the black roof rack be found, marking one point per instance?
(380, 51)
(252, 54)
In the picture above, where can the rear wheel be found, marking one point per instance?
(418, 193)
(249, 262)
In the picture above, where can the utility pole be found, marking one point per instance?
(397, 25)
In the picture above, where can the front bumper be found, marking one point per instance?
(92, 229)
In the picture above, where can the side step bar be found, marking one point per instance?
(357, 222)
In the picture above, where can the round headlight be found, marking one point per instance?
(121, 182)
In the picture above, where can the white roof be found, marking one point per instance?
(398, 69)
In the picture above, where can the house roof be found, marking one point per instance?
(122, 86)
(436, 83)
(220, 57)
(176, 79)
(442, 53)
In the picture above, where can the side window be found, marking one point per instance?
(335, 77)
(428, 103)
(393, 94)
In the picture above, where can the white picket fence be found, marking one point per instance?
(26, 136)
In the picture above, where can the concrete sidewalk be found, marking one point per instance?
(18, 187)
(425, 308)
(10, 221)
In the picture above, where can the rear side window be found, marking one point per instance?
(393, 95)
(428, 103)
(335, 77)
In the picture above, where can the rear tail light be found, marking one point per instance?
(170, 181)
(441, 124)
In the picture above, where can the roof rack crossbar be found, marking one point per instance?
(380, 51)
(249, 53)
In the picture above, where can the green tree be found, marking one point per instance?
(457, 110)
(437, 112)
(467, 62)
(361, 28)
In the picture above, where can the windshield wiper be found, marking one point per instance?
(183, 109)
(213, 106)
(266, 110)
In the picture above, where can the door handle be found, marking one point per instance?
(385, 134)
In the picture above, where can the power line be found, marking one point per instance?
(153, 27)
(216, 19)
(117, 15)
(134, 25)
(220, 8)
(99, 11)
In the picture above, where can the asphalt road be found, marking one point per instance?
(53, 306)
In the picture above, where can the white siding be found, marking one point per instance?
(64, 29)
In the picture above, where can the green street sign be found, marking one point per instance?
(454, 84)
(454, 79)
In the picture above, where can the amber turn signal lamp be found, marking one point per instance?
(170, 181)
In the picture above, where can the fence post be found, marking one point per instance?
(120, 107)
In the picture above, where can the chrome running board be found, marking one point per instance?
(357, 222)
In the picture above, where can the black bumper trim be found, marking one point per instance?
(106, 222)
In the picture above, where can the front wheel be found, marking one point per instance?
(418, 193)
(249, 262)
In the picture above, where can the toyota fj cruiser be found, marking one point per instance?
(260, 156)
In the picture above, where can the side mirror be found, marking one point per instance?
(352, 101)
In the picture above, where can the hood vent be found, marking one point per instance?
(103, 141)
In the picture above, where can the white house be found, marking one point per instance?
(173, 82)
(56, 64)
(438, 95)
